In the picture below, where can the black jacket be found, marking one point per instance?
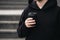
(30, 1)
(47, 19)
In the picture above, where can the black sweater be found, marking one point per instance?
(47, 19)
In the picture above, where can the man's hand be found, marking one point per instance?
(30, 22)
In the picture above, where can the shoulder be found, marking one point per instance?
(58, 11)
(57, 8)
(26, 10)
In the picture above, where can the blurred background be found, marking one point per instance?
(10, 11)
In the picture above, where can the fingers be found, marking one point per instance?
(29, 19)
(29, 22)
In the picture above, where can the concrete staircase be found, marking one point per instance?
(9, 20)
(9, 24)
(10, 11)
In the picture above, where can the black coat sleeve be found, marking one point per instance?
(22, 30)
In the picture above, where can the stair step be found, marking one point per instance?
(8, 30)
(8, 33)
(7, 25)
(13, 6)
(12, 38)
(13, 3)
(11, 12)
(9, 22)
(15, 0)
(9, 17)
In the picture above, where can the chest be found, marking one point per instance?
(47, 17)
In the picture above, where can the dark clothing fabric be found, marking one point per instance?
(30, 1)
(47, 22)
